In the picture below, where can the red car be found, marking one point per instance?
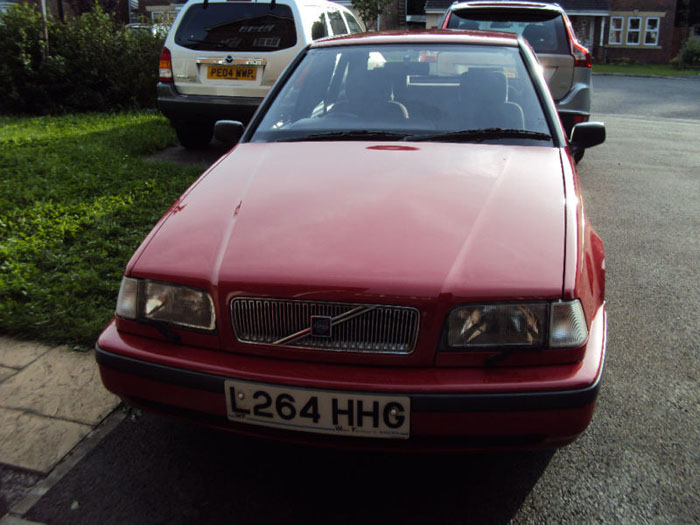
(395, 255)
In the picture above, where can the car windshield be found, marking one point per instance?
(544, 30)
(237, 27)
(443, 93)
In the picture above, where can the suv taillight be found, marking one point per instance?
(165, 67)
(582, 57)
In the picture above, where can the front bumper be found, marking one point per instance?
(188, 109)
(444, 416)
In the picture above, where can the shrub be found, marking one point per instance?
(689, 56)
(94, 64)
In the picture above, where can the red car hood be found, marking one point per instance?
(352, 219)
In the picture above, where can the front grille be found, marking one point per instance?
(353, 327)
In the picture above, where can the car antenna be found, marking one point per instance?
(272, 4)
(205, 4)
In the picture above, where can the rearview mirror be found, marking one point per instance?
(587, 135)
(228, 131)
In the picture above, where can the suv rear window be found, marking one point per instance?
(545, 31)
(237, 27)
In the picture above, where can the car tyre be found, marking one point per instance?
(194, 136)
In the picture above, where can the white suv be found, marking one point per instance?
(221, 58)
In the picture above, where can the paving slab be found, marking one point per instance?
(18, 354)
(35, 442)
(60, 384)
(6, 372)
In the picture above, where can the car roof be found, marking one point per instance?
(298, 3)
(506, 5)
(428, 36)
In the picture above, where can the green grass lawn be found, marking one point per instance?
(643, 69)
(77, 196)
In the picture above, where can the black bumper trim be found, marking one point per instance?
(416, 443)
(500, 402)
(204, 108)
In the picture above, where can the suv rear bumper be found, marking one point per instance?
(201, 108)
(578, 100)
(575, 106)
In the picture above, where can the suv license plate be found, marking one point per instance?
(232, 72)
(321, 411)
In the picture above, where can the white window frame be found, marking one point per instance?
(654, 32)
(615, 34)
(631, 31)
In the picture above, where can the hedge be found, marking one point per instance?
(93, 64)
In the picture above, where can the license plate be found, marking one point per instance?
(321, 411)
(232, 72)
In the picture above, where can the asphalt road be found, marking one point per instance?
(638, 462)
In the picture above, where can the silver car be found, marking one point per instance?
(566, 63)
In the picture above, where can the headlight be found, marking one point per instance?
(168, 303)
(529, 325)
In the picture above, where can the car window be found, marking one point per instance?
(545, 31)
(353, 24)
(405, 90)
(337, 23)
(237, 27)
(319, 29)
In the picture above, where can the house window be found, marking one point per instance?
(615, 35)
(634, 29)
(651, 33)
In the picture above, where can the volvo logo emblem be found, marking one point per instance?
(229, 59)
(321, 325)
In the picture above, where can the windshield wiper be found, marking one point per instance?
(218, 45)
(479, 135)
(359, 134)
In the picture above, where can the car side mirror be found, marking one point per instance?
(228, 131)
(587, 135)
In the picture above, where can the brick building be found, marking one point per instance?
(640, 31)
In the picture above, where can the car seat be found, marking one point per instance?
(369, 95)
(483, 100)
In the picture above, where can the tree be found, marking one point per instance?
(369, 10)
(687, 13)
(118, 8)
